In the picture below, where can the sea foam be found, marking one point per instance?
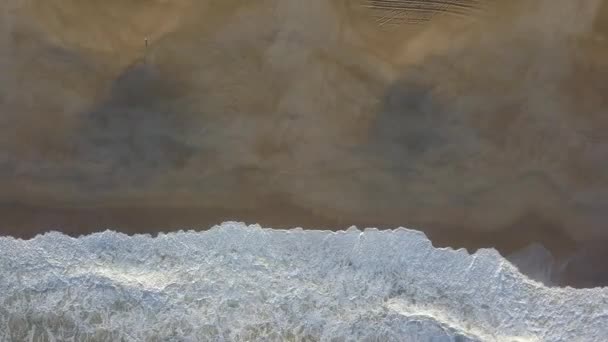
(245, 283)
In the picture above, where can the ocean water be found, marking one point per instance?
(246, 283)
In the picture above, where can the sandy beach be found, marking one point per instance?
(480, 123)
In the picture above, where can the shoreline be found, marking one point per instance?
(25, 221)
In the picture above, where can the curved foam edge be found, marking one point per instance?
(238, 282)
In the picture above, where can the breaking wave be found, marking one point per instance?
(245, 283)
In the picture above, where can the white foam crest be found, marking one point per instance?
(242, 283)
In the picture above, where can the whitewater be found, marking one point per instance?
(244, 283)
